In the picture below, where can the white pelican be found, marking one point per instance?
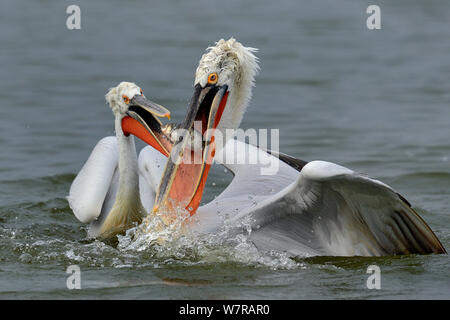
(315, 208)
(106, 191)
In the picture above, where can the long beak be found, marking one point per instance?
(142, 121)
(184, 177)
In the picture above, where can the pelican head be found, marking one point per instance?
(222, 90)
(229, 67)
(138, 115)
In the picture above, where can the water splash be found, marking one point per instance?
(176, 243)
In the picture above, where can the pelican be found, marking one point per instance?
(305, 209)
(106, 191)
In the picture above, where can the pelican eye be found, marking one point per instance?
(126, 99)
(212, 78)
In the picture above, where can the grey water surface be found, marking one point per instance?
(376, 101)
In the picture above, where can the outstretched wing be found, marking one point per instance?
(93, 191)
(316, 208)
(331, 210)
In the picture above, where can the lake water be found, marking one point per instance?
(376, 101)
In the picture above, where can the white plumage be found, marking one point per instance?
(237, 67)
(106, 191)
(319, 208)
(315, 208)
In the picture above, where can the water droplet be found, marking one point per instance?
(213, 184)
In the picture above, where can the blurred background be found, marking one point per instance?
(376, 101)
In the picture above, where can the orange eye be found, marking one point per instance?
(212, 78)
(126, 99)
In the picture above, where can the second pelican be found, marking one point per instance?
(106, 191)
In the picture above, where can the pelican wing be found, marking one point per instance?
(334, 211)
(252, 184)
(93, 190)
(151, 165)
(317, 208)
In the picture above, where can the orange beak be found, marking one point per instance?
(186, 172)
(155, 139)
(142, 121)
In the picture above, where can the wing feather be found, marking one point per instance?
(91, 185)
(339, 212)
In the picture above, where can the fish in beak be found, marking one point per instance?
(142, 121)
(186, 171)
